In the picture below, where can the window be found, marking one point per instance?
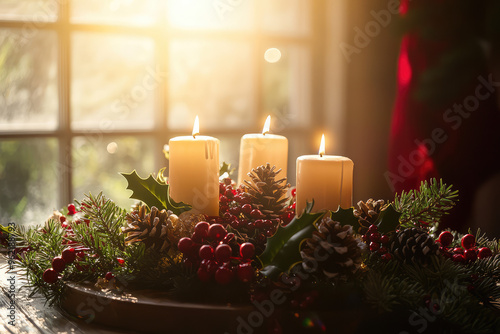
(92, 88)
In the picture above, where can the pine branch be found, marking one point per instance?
(107, 217)
(425, 206)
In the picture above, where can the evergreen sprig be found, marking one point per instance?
(427, 205)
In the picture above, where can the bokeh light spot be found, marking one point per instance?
(112, 147)
(272, 55)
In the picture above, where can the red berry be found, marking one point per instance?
(71, 209)
(202, 229)
(247, 250)
(365, 237)
(445, 238)
(375, 237)
(386, 257)
(468, 241)
(270, 232)
(109, 276)
(50, 276)
(484, 252)
(62, 219)
(203, 275)
(227, 239)
(384, 239)
(470, 255)
(459, 258)
(458, 250)
(69, 255)
(222, 188)
(223, 253)
(184, 245)
(235, 210)
(259, 223)
(256, 214)
(245, 272)
(217, 232)
(374, 246)
(121, 261)
(246, 209)
(224, 208)
(206, 252)
(294, 192)
(229, 192)
(197, 238)
(373, 228)
(58, 264)
(224, 275)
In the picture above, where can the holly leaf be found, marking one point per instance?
(388, 219)
(346, 217)
(225, 168)
(283, 248)
(153, 193)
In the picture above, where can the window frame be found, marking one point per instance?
(161, 32)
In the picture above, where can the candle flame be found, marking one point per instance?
(322, 146)
(267, 125)
(196, 127)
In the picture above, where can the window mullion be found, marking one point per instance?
(65, 153)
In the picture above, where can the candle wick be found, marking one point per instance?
(321, 155)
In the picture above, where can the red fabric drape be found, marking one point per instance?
(457, 141)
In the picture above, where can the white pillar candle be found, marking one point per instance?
(194, 171)
(326, 179)
(258, 149)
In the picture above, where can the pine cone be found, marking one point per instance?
(267, 193)
(413, 245)
(151, 228)
(332, 251)
(367, 213)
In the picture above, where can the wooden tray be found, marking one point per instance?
(150, 311)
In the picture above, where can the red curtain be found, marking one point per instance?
(457, 140)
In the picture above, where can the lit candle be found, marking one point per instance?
(194, 171)
(325, 178)
(258, 149)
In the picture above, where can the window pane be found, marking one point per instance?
(114, 79)
(211, 14)
(286, 86)
(28, 180)
(289, 17)
(28, 80)
(98, 161)
(230, 152)
(29, 10)
(136, 12)
(212, 79)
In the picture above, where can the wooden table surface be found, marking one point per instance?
(33, 316)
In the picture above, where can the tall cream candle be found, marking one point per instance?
(194, 171)
(325, 178)
(258, 149)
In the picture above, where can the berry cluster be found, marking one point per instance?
(377, 242)
(236, 209)
(214, 253)
(465, 254)
(59, 263)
